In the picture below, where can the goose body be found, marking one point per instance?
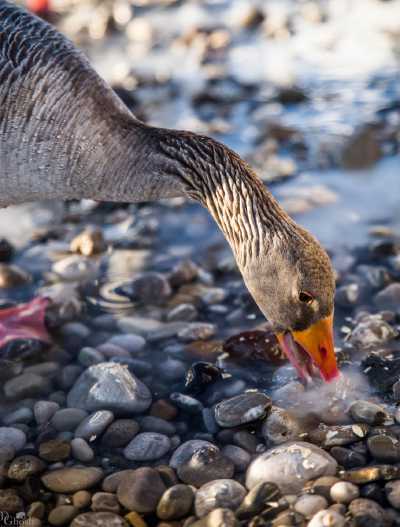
(65, 134)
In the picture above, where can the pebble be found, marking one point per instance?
(75, 269)
(197, 331)
(185, 451)
(164, 410)
(44, 411)
(290, 466)
(119, 433)
(344, 492)
(81, 499)
(25, 466)
(206, 464)
(182, 312)
(242, 409)
(26, 385)
(175, 503)
(13, 276)
(257, 498)
(388, 298)
(147, 446)
(131, 343)
(367, 412)
(55, 450)
(384, 448)
(68, 419)
(150, 288)
(21, 415)
(106, 502)
(363, 475)
(89, 356)
(109, 386)
(94, 425)
(217, 518)
(12, 438)
(172, 370)
(308, 505)
(327, 518)
(81, 450)
(281, 426)
(370, 332)
(141, 490)
(392, 490)
(329, 436)
(367, 512)
(150, 423)
(135, 519)
(62, 515)
(88, 242)
(239, 457)
(348, 458)
(72, 479)
(187, 403)
(99, 519)
(220, 493)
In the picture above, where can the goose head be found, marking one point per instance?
(293, 284)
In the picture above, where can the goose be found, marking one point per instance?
(65, 134)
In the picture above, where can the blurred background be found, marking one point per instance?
(307, 91)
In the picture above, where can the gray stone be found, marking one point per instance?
(81, 450)
(21, 415)
(186, 402)
(94, 425)
(242, 409)
(290, 466)
(384, 448)
(308, 505)
(150, 423)
(389, 298)
(131, 343)
(89, 356)
(119, 433)
(109, 386)
(367, 412)
(185, 451)
(12, 437)
(220, 493)
(206, 464)
(26, 385)
(372, 331)
(147, 446)
(44, 411)
(67, 419)
(175, 503)
(239, 457)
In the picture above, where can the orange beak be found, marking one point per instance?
(312, 348)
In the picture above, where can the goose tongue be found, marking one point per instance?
(25, 321)
(311, 351)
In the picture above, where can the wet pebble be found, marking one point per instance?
(348, 458)
(329, 436)
(99, 519)
(389, 298)
(88, 242)
(164, 410)
(141, 490)
(119, 433)
(367, 512)
(26, 385)
(206, 464)
(239, 457)
(150, 423)
(197, 331)
(186, 402)
(221, 493)
(308, 505)
(147, 446)
(68, 419)
(94, 425)
(344, 492)
(384, 448)
(242, 409)
(81, 450)
(257, 498)
(367, 412)
(12, 437)
(281, 426)
(62, 515)
(150, 288)
(182, 312)
(55, 450)
(109, 386)
(185, 451)
(72, 479)
(10, 501)
(21, 415)
(218, 517)
(175, 503)
(25, 466)
(327, 518)
(89, 356)
(372, 473)
(290, 466)
(106, 502)
(44, 411)
(131, 343)
(371, 331)
(392, 490)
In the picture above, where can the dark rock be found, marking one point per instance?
(348, 458)
(10, 502)
(366, 512)
(147, 446)
(27, 385)
(256, 499)
(185, 451)
(255, 345)
(119, 433)
(150, 423)
(384, 448)
(175, 503)
(94, 425)
(186, 402)
(141, 490)
(367, 412)
(239, 457)
(6, 250)
(164, 410)
(373, 491)
(55, 450)
(329, 436)
(67, 419)
(201, 374)
(149, 288)
(242, 409)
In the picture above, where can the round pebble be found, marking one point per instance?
(81, 450)
(175, 503)
(68, 419)
(242, 409)
(147, 446)
(72, 479)
(140, 490)
(327, 518)
(44, 411)
(94, 425)
(185, 451)
(12, 437)
(344, 492)
(62, 515)
(206, 464)
(221, 493)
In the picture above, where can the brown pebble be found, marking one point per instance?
(141, 491)
(135, 519)
(10, 501)
(105, 501)
(55, 450)
(163, 409)
(88, 242)
(72, 479)
(36, 510)
(323, 485)
(167, 475)
(62, 515)
(111, 482)
(81, 499)
(25, 466)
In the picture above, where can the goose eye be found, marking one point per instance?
(306, 298)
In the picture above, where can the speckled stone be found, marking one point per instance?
(119, 433)
(367, 512)
(106, 502)
(290, 466)
(220, 493)
(99, 519)
(24, 466)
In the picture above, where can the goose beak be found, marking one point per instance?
(312, 349)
